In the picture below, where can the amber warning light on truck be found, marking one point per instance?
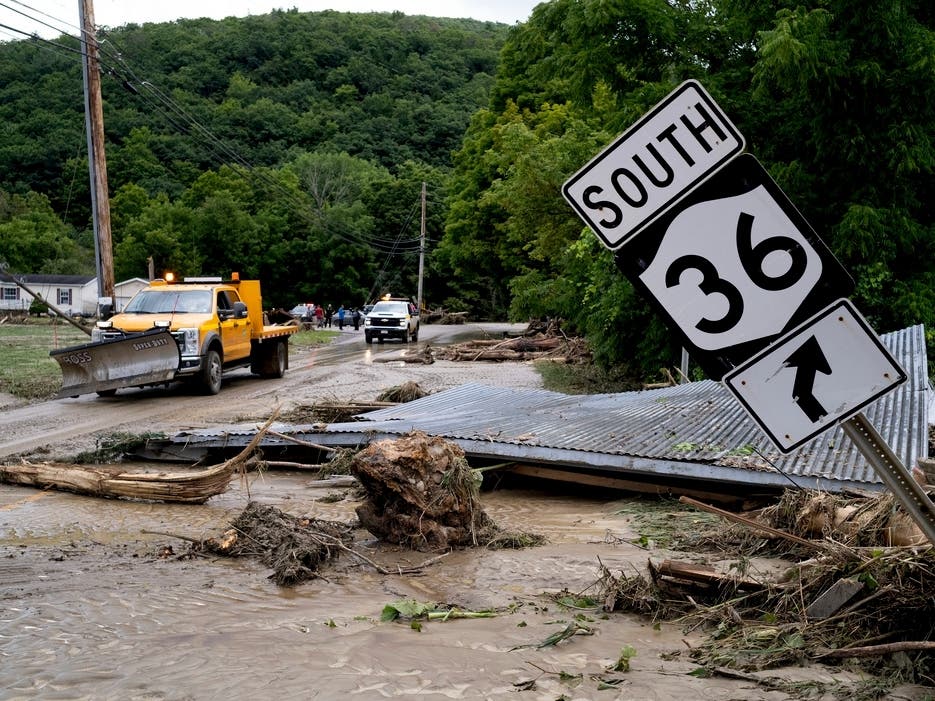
(672, 149)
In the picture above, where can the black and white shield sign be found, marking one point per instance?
(733, 266)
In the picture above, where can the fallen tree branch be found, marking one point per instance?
(737, 518)
(299, 441)
(884, 649)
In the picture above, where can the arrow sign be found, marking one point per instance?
(808, 361)
(824, 371)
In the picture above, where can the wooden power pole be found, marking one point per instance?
(421, 250)
(97, 163)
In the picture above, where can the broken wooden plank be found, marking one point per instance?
(833, 598)
(704, 574)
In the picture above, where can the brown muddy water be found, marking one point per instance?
(91, 607)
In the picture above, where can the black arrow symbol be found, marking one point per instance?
(808, 361)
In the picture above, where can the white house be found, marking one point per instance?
(73, 294)
(124, 291)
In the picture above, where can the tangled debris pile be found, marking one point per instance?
(540, 341)
(421, 493)
(294, 547)
(406, 392)
(847, 597)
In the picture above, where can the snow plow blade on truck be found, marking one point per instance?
(147, 358)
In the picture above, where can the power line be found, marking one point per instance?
(39, 21)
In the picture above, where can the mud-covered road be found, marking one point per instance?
(343, 369)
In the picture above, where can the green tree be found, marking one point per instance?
(853, 88)
(34, 240)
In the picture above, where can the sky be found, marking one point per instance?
(62, 15)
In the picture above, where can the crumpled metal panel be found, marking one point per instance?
(691, 431)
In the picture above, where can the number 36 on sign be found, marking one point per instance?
(733, 266)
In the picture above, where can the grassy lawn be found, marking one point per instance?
(28, 372)
(315, 337)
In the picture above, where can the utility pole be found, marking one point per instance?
(97, 163)
(421, 251)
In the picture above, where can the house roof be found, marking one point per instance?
(38, 279)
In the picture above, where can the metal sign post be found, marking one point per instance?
(893, 473)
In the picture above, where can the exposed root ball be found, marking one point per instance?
(421, 493)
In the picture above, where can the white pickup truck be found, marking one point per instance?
(392, 318)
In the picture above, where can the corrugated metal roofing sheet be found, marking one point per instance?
(692, 431)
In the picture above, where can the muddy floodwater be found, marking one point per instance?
(96, 604)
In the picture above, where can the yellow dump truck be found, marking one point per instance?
(192, 330)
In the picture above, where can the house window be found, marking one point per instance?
(64, 297)
(10, 294)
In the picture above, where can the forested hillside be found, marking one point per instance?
(291, 146)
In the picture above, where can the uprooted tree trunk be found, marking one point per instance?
(421, 493)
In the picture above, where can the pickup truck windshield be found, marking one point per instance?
(390, 308)
(170, 302)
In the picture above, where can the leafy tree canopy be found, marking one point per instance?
(835, 98)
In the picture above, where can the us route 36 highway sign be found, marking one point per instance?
(671, 149)
(732, 266)
(823, 372)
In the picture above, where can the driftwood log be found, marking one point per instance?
(424, 356)
(518, 348)
(108, 481)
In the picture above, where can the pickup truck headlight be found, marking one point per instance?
(97, 333)
(402, 322)
(366, 321)
(189, 341)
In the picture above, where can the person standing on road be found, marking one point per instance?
(329, 312)
(356, 317)
(341, 318)
(320, 316)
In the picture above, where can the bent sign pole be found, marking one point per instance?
(732, 267)
(893, 473)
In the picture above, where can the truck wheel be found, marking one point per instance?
(106, 392)
(415, 335)
(275, 365)
(211, 373)
(406, 335)
(368, 339)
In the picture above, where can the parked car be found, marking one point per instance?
(302, 312)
